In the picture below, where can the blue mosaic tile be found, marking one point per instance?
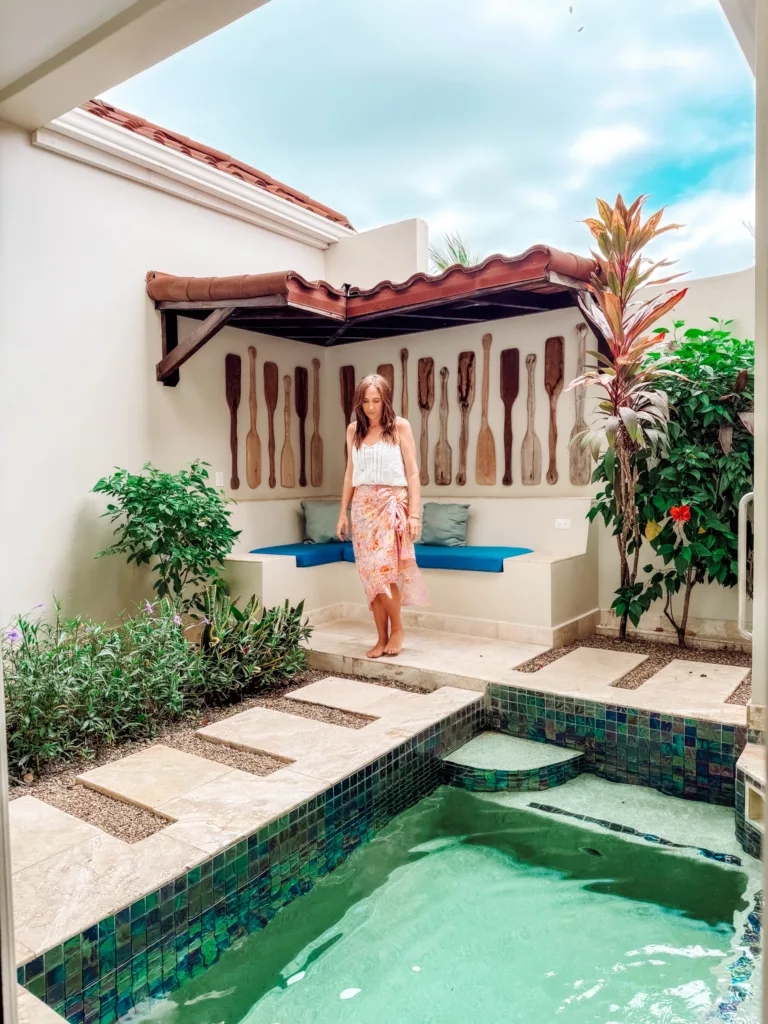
(678, 756)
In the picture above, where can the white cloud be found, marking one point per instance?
(599, 146)
(537, 17)
(713, 219)
(681, 58)
(539, 199)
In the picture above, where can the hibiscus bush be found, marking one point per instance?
(688, 494)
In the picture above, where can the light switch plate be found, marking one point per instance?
(219, 479)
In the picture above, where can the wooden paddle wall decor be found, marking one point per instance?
(553, 385)
(426, 397)
(510, 386)
(287, 470)
(466, 395)
(270, 397)
(530, 455)
(347, 384)
(232, 369)
(443, 454)
(485, 465)
(387, 371)
(301, 387)
(252, 440)
(404, 368)
(316, 444)
(580, 460)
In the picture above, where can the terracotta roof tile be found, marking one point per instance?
(287, 305)
(212, 157)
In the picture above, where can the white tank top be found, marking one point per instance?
(380, 463)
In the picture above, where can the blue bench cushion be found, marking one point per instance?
(309, 554)
(472, 558)
(428, 556)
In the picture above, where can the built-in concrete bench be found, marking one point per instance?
(472, 558)
(543, 590)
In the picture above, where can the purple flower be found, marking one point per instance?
(41, 605)
(206, 621)
(177, 619)
(147, 607)
(13, 635)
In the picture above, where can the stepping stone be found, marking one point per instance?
(239, 798)
(493, 761)
(153, 776)
(586, 668)
(694, 683)
(69, 891)
(39, 831)
(319, 749)
(274, 732)
(360, 698)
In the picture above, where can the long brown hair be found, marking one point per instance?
(388, 416)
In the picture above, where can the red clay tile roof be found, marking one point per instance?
(212, 157)
(287, 305)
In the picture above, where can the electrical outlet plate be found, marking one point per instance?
(562, 524)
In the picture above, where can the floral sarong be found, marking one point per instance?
(384, 551)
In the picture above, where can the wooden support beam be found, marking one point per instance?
(180, 353)
(169, 327)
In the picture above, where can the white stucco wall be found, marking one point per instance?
(80, 341)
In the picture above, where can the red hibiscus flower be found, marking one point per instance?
(681, 513)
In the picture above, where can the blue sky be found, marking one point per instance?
(496, 118)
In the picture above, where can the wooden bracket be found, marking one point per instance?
(175, 354)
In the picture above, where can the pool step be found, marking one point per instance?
(493, 761)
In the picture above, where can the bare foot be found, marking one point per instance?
(378, 650)
(395, 644)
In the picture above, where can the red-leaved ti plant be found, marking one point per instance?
(634, 411)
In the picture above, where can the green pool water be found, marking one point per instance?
(463, 911)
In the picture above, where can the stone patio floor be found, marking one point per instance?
(431, 658)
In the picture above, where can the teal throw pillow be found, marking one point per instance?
(444, 525)
(320, 518)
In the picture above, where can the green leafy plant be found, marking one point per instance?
(243, 646)
(453, 251)
(691, 496)
(73, 686)
(173, 522)
(634, 410)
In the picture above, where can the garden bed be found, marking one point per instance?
(657, 656)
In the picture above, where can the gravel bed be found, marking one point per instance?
(59, 787)
(658, 655)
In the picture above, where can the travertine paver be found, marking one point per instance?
(361, 698)
(318, 749)
(276, 733)
(429, 657)
(63, 894)
(153, 776)
(586, 668)
(241, 797)
(695, 682)
(752, 762)
(39, 830)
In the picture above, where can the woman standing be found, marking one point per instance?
(382, 483)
